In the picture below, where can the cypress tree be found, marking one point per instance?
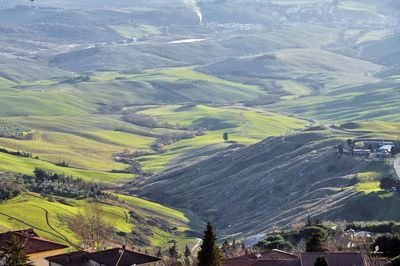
(13, 251)
(317, 243)
(188, 253)
(173, 251)
(321, 261)
(159, 253)
(210, 254)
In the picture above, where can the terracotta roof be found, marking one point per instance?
(31, 241)
(267, 258)
(71, 259)
(263, 263)
(109, 257)
(333, 259)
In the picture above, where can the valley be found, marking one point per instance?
(235, 118)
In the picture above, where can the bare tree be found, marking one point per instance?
(89, 224)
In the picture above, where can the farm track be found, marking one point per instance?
(52, 228)
(29, 225)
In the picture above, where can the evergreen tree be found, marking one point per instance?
(321, 261)
(188, 253)
(173, 251)
(317, 243)
(210, 254)
(234, 243)
(14, 253)
(309, 222)
(159, 253)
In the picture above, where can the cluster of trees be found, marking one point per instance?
(275, 241)
(175, 257)
(389, 183)
(388, 245)
(168, 139)
(147, 121)
(17, 153)
(10, 186)
(210, 254)
(50, 183)
(377, 227)
(10, 129)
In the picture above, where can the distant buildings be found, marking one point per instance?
(280, 258)
(369, 148)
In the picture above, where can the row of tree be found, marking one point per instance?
(49, 183)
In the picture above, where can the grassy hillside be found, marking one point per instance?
(50, 219)
(384, 51)
(373, 101)
(296, 72)
(278, 181)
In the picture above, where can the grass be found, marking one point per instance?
(373, 101)
(374, 35)
(9, 163)
(244, 125)
(368, 187)
(136, 31)
(13, 215)
(153, 207)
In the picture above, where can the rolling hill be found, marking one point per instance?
(49, 218)
(276, 182)
(138, 94)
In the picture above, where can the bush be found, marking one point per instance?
(275, 242)
(388, 244)
(380, 227)
(395, 261)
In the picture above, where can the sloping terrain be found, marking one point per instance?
(276, 182)
(49, 218)
(110, 91)
(310, 67)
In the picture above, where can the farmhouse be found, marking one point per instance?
(36, 248)
(110, 257)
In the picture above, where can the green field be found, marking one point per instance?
(55, 227)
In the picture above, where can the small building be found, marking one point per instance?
(281, 258)
(386, 148)
(362, 152)
(35, 247)
(110, 257)
(333, 258)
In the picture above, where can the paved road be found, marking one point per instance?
(397, 166)
(197, 245)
